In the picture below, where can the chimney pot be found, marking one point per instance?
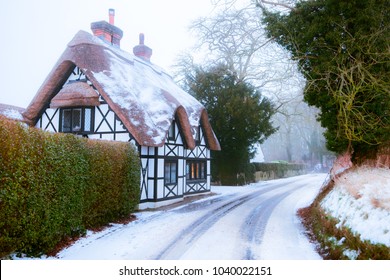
(141, 38)
(111, 16)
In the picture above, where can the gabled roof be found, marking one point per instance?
(75, 94)
(144, 97)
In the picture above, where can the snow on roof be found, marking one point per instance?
(155, 92)
(143, 95)
(11, 112)
(75, 94)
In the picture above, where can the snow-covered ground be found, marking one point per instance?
(257, 221)
(360, 200)
(285, 226)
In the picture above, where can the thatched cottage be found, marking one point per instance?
(99, 91)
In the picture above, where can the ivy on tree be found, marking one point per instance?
(343, 50)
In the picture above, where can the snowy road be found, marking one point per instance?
(252, 222)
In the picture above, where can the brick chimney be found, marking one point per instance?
(111, 16)
(107, 31)
(142, 50)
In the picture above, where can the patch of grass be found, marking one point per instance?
(335, 241)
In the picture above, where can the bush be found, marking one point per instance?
(280, 169)
(247, 174)
(113, 188)
(55, 186)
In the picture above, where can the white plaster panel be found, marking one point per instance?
(160, 171)
(123, 137)
(151, 167)
(160, 188)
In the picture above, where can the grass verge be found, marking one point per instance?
(335, 242)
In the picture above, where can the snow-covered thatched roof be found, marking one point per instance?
(11, 112)
(144, 96)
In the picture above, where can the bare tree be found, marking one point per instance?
(299, 138)
(286, 4)
(268, 4)
(236, 38)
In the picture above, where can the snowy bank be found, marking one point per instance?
(360, 200)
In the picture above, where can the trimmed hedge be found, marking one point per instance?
(280, 169)
(55, 186)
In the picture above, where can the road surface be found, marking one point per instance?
(253, 222)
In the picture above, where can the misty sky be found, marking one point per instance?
(35, 33)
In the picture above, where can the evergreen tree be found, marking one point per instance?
(343, 49)
(239, 115)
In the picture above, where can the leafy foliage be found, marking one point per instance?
(343, 50)
(55, 186)
(239, 115)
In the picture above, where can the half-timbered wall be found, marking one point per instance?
(167, 172)
(104, 122)
(200, 157)
(163, 169)
(158, 164)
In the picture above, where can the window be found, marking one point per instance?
(171, 131)
(196, 170)
(170, 172)
(198, 134)
(76, 120)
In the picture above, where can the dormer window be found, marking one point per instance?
(76, 120)
(171, 131)
(198, 135)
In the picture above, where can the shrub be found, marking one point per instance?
(247, 174)
(280, 169)
(113, 189)
(55, 186)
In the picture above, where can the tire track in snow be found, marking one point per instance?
(254, 225)
(195, 230)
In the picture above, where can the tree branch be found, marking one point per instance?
(275, 4)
